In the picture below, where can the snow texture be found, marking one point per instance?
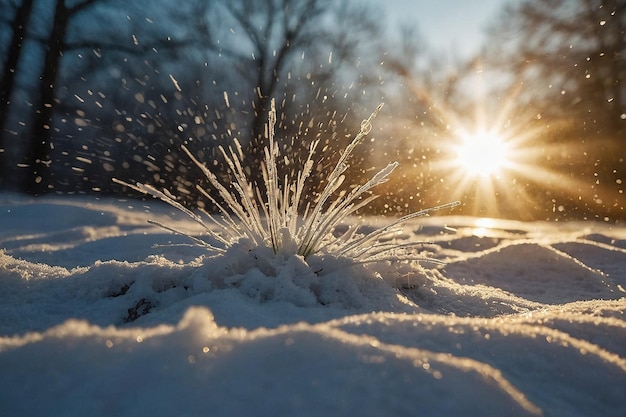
(103, 314)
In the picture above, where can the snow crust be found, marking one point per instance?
(102, 313)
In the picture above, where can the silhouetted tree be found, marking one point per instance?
(55, 47)
(19, 28)
(277, 43)
(571, 55)
(274, 32)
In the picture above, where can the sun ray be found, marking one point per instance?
(500, 163)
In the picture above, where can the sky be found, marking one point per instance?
(448, 26)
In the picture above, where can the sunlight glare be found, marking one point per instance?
(482, 226)
(497, 160)
(482, 154)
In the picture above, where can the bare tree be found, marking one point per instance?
(276, 31)
(55, 47)
(572, 55)
(570, 58)
(19, 28)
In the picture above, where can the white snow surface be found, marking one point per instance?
(103, 314)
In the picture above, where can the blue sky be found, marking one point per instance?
(451, 26)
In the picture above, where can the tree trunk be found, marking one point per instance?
(41, 141)
(19, 27)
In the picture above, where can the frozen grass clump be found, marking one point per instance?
(276, 222)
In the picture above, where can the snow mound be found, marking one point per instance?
(535, 272)
(103, 314)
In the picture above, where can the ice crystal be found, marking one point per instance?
(278, 217)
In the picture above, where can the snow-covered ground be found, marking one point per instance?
(102, 314)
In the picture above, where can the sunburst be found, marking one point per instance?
(483, 153)
(495, 160)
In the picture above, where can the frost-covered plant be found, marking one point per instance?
(278, 217)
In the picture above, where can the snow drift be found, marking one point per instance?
(104, 314)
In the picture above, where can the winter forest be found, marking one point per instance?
(96, 89)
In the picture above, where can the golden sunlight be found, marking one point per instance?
(499, 160)
(482, 154)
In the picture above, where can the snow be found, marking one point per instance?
(102, 313)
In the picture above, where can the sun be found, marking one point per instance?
(483, 165)
(496, 157)
(482, 154)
